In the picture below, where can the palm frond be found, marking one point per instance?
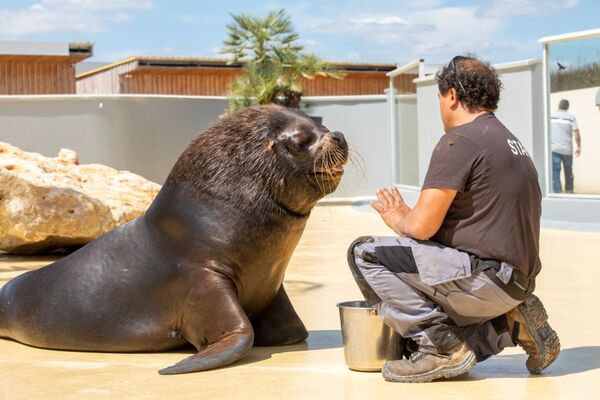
(274, 63)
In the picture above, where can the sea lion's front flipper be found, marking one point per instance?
(278, 324)
(215, 323)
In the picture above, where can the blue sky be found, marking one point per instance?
(339, 30)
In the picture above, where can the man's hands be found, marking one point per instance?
(420, 222)
(577, 142)
(392, 208)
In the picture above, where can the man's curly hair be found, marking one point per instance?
(476, 83)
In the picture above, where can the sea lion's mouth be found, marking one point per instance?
(331, 173)
(328, 165)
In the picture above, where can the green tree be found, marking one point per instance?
(274, 63)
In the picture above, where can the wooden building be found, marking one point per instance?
(40, 67)
(212, 77)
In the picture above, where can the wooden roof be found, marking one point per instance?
(77, 53)
(195, 62)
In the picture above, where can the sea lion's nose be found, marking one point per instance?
(339, 137)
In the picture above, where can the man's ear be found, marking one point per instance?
(453, 97)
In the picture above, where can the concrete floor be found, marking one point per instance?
(316, 280)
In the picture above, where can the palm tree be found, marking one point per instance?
(274, 65)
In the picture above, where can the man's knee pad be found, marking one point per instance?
(351, 249)
(368, 293)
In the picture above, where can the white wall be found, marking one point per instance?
(586, 168)
(146, 134)
(429, 123)
(407, 140)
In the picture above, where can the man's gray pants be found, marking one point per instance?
(431, 293)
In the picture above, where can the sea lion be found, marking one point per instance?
(205, 264)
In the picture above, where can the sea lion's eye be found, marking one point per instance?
(300, 140)
(294, 147)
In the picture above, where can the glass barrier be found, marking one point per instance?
(573, 69)
(407, 155)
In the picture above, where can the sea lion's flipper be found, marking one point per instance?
(278, 324)
(215, 323)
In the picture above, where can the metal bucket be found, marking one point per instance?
(368, 342)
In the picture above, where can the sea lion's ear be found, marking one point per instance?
(271, 144)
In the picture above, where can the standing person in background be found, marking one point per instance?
(564, 129)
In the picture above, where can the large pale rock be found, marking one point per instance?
(50, 203)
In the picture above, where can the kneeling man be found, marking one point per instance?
(457, 282)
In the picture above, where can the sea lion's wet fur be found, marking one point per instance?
(205, 264)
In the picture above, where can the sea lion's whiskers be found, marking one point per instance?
(357, 161)
(322, 175)
(318, 177)
(338, 158)
(335, 162)
(327, 159)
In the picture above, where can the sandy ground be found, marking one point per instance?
(316, 280)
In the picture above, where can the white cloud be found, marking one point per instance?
(380, 21)
(508, 8)
(121, 17)
(416, 32)
(372, 24)
(432, 30)
(81, 16)
(312, 46)
(448, 38)
(98, 5)
(351, 56)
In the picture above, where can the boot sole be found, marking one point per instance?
(441, 372)
(545, 337)
(552, 346)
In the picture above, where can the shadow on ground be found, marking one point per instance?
(317, 340)
(573, 360)
(295, 286)
(570, 361)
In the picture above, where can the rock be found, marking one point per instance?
(68, 156)
(52, 203)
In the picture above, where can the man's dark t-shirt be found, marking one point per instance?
(496, 212)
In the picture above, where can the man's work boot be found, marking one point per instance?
(529, 328)
(426, 367)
